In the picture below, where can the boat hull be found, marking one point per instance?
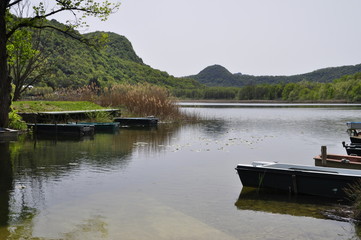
(63, 129)
(319, 183)
(148, 121)
(102, 127)
(355, 139)
(352, 149)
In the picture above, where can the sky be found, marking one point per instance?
(256, 37)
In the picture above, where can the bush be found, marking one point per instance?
(16, 122)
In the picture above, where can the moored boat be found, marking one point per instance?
(354, 131)
(298, 179)
(137, 121)
(65, 129)
(335, 160)
(102, 126)
(352, 149)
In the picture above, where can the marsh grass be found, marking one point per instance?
(353, 193)
(144, 100)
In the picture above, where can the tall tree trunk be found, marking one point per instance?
(5, 80)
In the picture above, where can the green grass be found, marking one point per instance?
(49, 106)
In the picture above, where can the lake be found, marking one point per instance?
(173, 182)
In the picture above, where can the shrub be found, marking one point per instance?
(16, 122)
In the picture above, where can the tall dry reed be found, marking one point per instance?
(144, 100)
(138, 100)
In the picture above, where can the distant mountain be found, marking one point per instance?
(217, 75)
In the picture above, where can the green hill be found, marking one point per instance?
(218, 76)
(74, 64)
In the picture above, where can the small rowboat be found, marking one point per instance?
(298, 179)
(352, 149)
(343, 161)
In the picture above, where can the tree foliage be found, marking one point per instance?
(27, 63)
(13, 19)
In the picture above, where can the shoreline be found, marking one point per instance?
(263, 101)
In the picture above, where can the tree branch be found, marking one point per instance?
(90, 9)
(13, 3)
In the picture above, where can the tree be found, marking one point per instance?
(12, 19)
(27, 61)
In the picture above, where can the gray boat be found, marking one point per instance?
(298, 179)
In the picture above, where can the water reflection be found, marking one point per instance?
(215, 128)
(51, 156)
(273, 202)
(28, 165)
(6, 180)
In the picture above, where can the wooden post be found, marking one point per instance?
(323, 155)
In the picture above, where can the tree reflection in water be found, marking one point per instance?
(28, 164)
(6, 180)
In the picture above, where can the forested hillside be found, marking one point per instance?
(72, 63)
(344, 89)
(218, 76)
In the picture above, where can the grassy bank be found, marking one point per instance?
(50, 106)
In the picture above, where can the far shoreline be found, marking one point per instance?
(264, 101)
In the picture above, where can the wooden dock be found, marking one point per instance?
(65, 116)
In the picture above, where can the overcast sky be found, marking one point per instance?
(258, 37)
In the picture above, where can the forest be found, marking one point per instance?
(344, 89)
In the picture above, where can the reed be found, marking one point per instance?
(144, 100)
(139, 100)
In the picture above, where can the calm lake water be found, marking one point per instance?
(173, 182)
